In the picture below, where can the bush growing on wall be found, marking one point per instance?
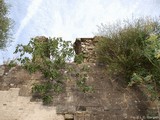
(50, 66)
(132, 51)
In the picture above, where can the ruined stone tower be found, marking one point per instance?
(86, 46)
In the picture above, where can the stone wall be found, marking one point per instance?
(86, 46)
(42, 41)
(108, 100)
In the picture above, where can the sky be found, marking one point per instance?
(70, 19)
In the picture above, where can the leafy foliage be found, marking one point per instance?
(132, 51)
(79, 58)
(83, 86)
(5, 24)
(12, 63)
(49, 58)
(43, 91)
(82, 79)
(47, 99)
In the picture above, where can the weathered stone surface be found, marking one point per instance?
(25, 91)
(2, 69)
(79, 116)
(14, 107)
(106, 102)
(86, 46)
(12, 69)
(81, 108)
(69, 116)
(61, 109)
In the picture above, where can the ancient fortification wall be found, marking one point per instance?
(107, 100)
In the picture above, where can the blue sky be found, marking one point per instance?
(70, 19)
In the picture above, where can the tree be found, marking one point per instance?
(5, 24)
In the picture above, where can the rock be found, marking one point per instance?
(2, 69)
(69, 116)
(4, 104)
(6, 74)
(84, 46)
(107, 108)
(90, 48)
(11, 84)
(65, 71)
(20, 108)
(12, 69)
(125, 115)
(81, 108)
(62, 109)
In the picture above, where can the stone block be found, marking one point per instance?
(69, 117)
(79, 116)
(64, 109)
(87, 116)
(81, 108)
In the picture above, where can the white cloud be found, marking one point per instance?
(32, 9)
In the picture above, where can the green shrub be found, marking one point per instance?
(132, 51)
(82, 79)
(81, 83)
(79, 58)
(12, 63)
(47, 99)
(122, 48)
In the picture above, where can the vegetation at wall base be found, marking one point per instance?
(131, 50)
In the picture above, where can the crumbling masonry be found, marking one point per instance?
(84, 46)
